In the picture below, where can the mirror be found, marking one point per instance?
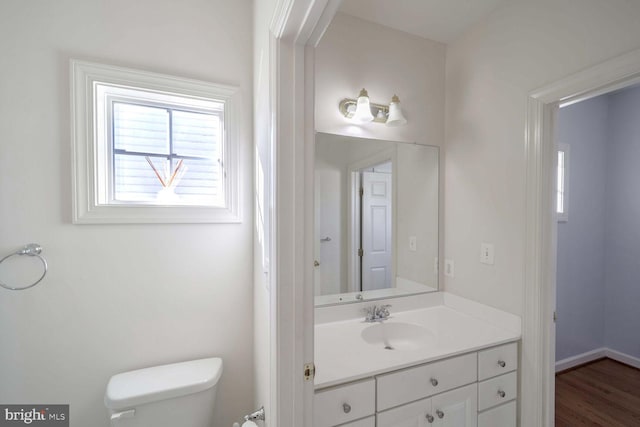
(376, 219)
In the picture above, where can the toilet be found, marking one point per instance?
(179, 394)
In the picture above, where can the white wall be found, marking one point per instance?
(354, 54)
(523, 45)
(417, 214)
(117, 297)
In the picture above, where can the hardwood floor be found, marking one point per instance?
(602, 393)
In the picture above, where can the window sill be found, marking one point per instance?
(137, 214)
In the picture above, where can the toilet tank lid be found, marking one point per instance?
(130, 389)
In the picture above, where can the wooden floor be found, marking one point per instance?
(602, 393)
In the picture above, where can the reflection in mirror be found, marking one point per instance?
(376, 219)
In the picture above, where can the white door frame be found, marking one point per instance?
(538, 338)
(296, 27)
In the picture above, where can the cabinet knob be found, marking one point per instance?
(501, 393)
(440, 414)
(434, 382)
(346, 408)
(502, 363)
(430, 418)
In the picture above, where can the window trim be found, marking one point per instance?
(564, 215)
(87, 208)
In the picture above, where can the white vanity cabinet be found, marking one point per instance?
(473, 389)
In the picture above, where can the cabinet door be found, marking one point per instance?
(457, 408)
(416, 414)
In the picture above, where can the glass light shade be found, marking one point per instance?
(363, 108)
(395, 113)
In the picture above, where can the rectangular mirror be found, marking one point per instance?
(376, 219)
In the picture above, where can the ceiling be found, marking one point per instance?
(439, 20)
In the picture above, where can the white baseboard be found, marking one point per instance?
(623, 358)
(581, 359)
(599, 353)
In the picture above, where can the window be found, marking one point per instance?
(562, 189)
(152, 148)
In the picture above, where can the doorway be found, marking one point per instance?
(597, 296)
(538, 390)
(372, 196)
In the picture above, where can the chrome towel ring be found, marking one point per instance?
(32, 249)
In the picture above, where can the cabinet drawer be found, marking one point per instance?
(367, 422)
(423, 381)
(503, 416)
(497, 361)
(497, 390)
(344, 403)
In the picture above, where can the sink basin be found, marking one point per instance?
(397, 336)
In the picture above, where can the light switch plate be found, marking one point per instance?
(413, 243)
(448, 268)
(486, 253)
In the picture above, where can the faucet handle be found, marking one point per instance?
(369, 311)
(384, 309)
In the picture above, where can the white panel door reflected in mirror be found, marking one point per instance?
(376, 219)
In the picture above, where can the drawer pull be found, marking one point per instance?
(502, 363)
(440, 414)
(346, 408)
(434, 382)
(501, 393)
(430, 418)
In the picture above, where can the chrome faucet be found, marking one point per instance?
(377, 313)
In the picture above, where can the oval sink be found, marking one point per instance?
(397, 336)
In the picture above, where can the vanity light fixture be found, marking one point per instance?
(362, 110)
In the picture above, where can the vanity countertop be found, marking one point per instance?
(455, 326)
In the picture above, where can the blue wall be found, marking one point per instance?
(581, 248)
(622, 303)
(598, 277)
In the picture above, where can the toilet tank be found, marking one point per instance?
(179, 394)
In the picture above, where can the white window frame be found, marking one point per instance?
(90, 206)
(566, 150)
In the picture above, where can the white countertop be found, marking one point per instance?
(456, 325)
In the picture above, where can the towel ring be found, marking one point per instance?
(32, 249)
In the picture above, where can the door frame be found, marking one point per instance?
(296, 29)
(537, 389)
